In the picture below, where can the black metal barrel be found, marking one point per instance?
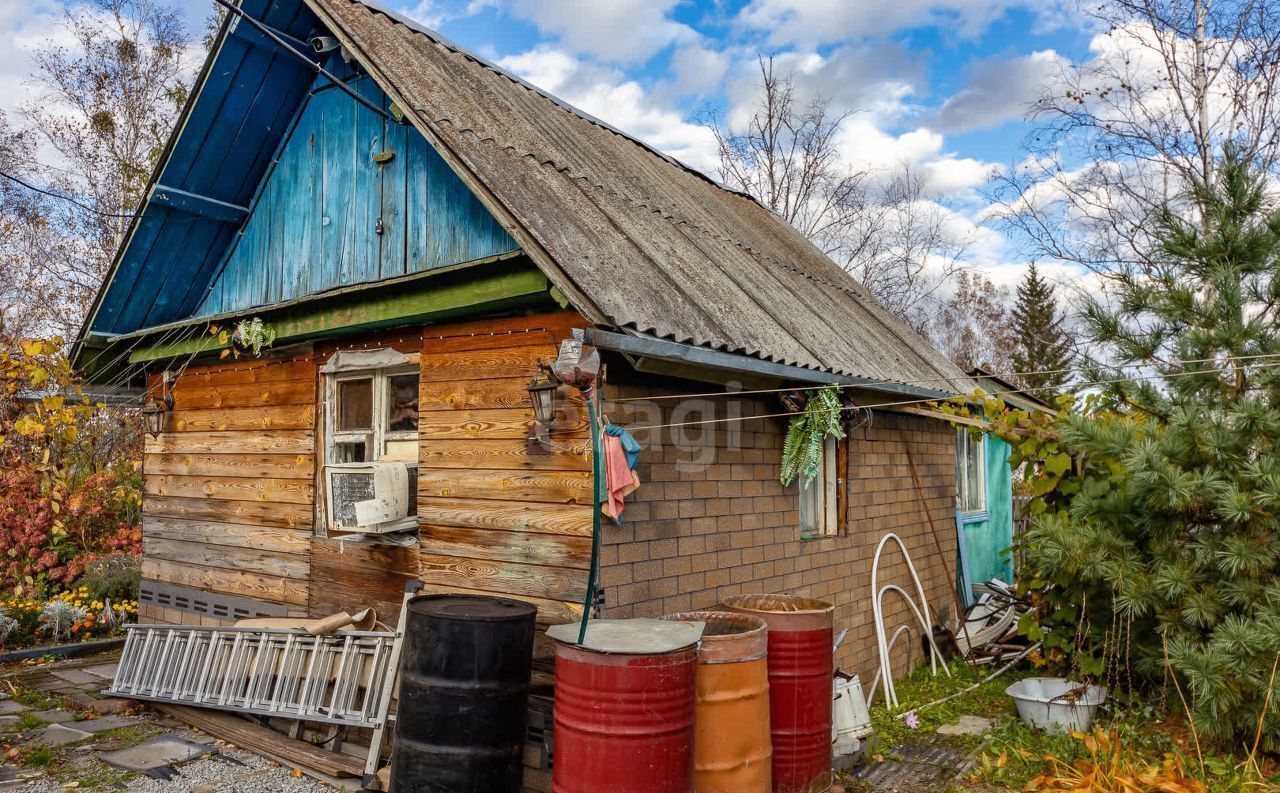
(464, 691)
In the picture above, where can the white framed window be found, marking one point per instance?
(819, 516)
(971, 472)
(370, 451)
(372, 416)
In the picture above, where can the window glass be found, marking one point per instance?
(818, 499)
(355, 405)
(971, 473)
(349, 452)
(402, 403)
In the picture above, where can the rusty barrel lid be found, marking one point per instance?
(630, 636)
(727, 637)
(785, 612)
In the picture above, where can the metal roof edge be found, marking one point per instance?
(716, 359)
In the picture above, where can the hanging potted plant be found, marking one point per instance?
(820, 417)
(249, 335)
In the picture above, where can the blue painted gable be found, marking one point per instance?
(269, 191)
(353, 198)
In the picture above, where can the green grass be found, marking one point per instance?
(26, 721)
(921, 687)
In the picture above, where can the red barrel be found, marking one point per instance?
(624, 710)
(801, 666)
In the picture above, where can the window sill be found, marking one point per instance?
(975, 517)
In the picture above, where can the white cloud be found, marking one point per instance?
(609, 96)
(617, 31)
(427, 14)
(698, 70)
(999, 90)
(810, 23)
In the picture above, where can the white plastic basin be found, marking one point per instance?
(1056, 705)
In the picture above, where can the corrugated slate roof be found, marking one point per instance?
(652, 245)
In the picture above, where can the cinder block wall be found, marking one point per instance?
(712, 520)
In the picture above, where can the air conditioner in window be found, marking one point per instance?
(372, 498)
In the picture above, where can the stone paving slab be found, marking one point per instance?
(967, 725)
(9, 708)
(102, 671)
(8, 721)
(55, 716)
(60, 734)
(163, 750)
(108, 723)
(76, 677)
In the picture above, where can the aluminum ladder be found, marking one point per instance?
(344, 678)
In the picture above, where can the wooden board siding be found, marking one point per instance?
(229, 489)
(354, 576)
(329, 215)
(494, 519)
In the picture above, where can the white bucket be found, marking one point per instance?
(1056, 705)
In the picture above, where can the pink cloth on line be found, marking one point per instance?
(620, 480)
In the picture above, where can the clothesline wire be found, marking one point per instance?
(925, 401)
(927, 381)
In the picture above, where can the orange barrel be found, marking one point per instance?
(801, 666)
(624, 707)
(731, 748)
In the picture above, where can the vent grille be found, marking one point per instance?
(210, 604)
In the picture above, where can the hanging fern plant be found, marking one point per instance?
(253, 334)
(822, 417)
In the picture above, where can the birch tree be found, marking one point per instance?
(1137, 127)
(882, 226)
(102, 110)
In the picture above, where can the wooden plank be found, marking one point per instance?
(508, 423)
(275, 442)
(249, 560)
(483, 394)
(543, 549)
(550, 612)
(291, 516)
(559, 324)
(505, 455)
(281, 417)
(364, 557)
(240, 535)
(278, 466)
(356, 576)
(225, 374)
(194, 396)
(235, 582)
(436, 338)
(541, 581)
(236, 730)
(550, 487)
(486, 364)
(231, 488)
(570, 519)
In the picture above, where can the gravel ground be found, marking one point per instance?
(229, 770)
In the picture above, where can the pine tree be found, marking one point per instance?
(1042, 344)
(1178, 525)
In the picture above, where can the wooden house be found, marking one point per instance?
(415, 230)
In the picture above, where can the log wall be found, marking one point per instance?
(494, 518)
(229, 487)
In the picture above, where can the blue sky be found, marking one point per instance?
(939, 85)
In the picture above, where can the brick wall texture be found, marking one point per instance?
(712, 520)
